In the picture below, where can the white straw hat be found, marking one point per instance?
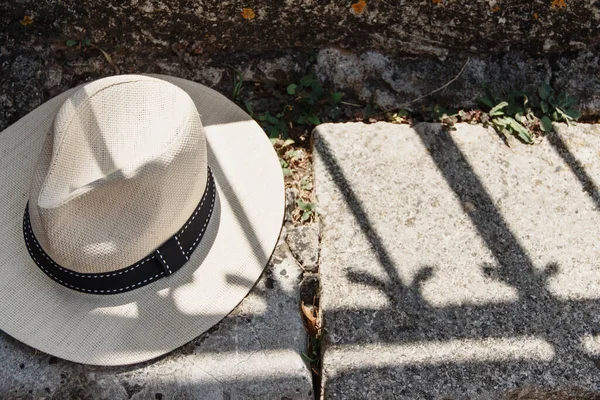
(135, 213)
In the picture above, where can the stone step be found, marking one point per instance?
(455, 267)
(254, 353)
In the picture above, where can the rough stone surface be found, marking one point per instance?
(303, 241)
(403, 26)
(454, 267)
(388, 54)
(254, 353)
(392, 81)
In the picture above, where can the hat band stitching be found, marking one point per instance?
(193, 246)
(29, 235)
(128, 269)
(164, 262)
(181, 248)
(78, 288)
(193, 215)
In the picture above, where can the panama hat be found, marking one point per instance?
(136, 212)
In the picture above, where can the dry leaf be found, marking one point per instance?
(27, 20)
(437, 1)
(359, 7)
(559, 4)
(536, 16)
(496, 9)
(248, 13)
(311, 319)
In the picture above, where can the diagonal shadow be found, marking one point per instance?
(587, 183)
(536, 312)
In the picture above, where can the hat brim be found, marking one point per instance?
(148, 322)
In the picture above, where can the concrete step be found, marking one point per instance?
(455, 267)
(254, 353)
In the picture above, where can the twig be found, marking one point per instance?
(433, 91)
(108, 58)
(350, 104)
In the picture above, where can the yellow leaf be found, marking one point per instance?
(312, 324)
(559, 4)
(27, 20)
(359, 7)
(248, 13)
(496, 9)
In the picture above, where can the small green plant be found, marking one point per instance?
(237, 85)
(281, 147)
(311, 101)
(554, 106)
(306, 184)
(399, 117)
(523, 115)
(85, 42)
(440, 114)
(274, 125)
(308, 209)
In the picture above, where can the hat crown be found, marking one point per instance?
(121, 171)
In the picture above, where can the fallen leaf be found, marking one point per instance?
(559, 4)
(359, 7)
(248, 13)
(27, 20)
(108, 58)
(496, 9)
(311, 320)
(437, 1)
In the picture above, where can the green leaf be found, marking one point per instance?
(272, 131)
(555, 116)
(515, 127)
(573, 113)
(86, 42)
(72, 42)
(249, 107)
(291, 89)
(544, 107)
(283, 163)
(273, 140)
(317, 89)
(497, 110)
(522, 132)
(546, 124)
(336, 97)
(570, 101)
(486, 101)
(544, 91)
(313, 119)
(288, 142)
(402, 113)
(286, 171)
(561, 99)
(305, 205)
(272, 119)
(301, 120)
(307, 80)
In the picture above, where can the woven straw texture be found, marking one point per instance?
(155, 319)
(122, 172)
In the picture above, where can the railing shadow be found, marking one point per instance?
(411, 321)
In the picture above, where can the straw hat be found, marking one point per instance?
(136, 212)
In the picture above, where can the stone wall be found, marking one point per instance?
(384, 51)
